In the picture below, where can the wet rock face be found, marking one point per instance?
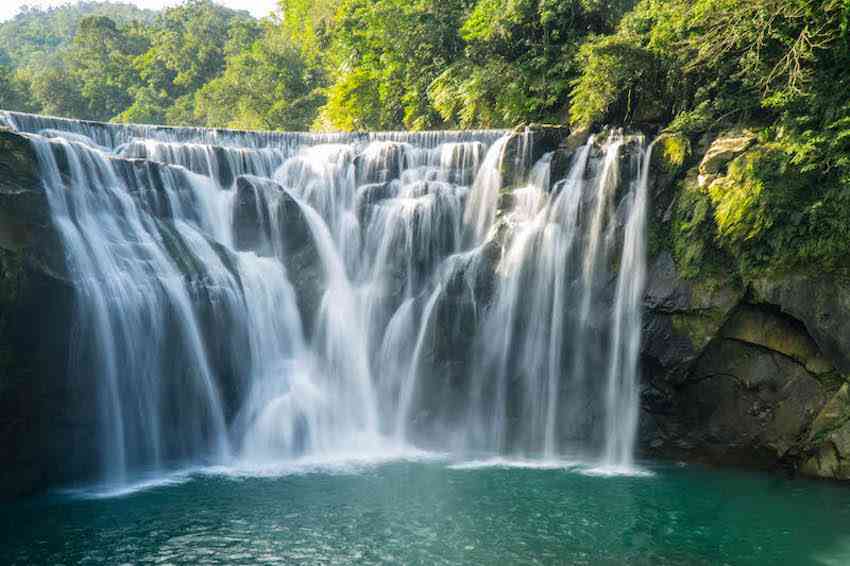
(23, 207)
(525, 147)
(750, 396)
(821, 303)
(268, 218)
(267, 221)
(682, 317)
(46, 423)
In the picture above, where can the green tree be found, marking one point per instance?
(386, 54)
(188, 48)
(520, 59)
(14, 93)
(268, 86)
(100, 62)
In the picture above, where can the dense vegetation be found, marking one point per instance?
(328, 64)
(778, 68)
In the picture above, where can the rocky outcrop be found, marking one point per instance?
(683, 316)
(269, 221)
(744, 371)
(829, 439)
(526, 145)
(821, 303)
(23, 206)
(45, 421)
(722, 151)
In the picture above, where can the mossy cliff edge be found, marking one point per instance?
(747, 327)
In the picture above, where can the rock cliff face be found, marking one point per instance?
(43, 421)
(747, 372)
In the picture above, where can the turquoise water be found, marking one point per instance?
(432, 512)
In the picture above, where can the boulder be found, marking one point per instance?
(266, 212)
(721, 152)
(829, 455)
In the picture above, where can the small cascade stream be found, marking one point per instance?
(247, 299)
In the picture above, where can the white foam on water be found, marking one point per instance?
(131, 486)
(517, 463)
(582, 466)
(617, 471)
(337, 463)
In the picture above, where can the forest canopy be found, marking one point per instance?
(685, 65)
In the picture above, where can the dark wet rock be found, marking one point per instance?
(47, 427)
(269, 221)
(268, 218)
(24, 211)
(383, 162)
(525, 146)
(251, 218)
(682, 317)
(741, 397)
(371, 195)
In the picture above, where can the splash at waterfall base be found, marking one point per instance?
(258, 301)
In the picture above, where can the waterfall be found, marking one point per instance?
(251, 298)
(621, 402)
(545, 338)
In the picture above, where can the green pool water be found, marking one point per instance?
(438, 512)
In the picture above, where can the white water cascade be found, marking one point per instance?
(247, 299)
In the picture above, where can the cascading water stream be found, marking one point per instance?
(251, 299)
(621, 399)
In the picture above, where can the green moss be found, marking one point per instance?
(766, 216)
(674, 150)
(657, 238)
(832, 380)
(693, 234)
(699, 327)
(772, 216)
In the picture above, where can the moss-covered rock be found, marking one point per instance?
(829, 455)
(722, 151)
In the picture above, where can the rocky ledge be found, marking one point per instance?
(739, 370)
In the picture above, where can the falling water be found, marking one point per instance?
(255, 298)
